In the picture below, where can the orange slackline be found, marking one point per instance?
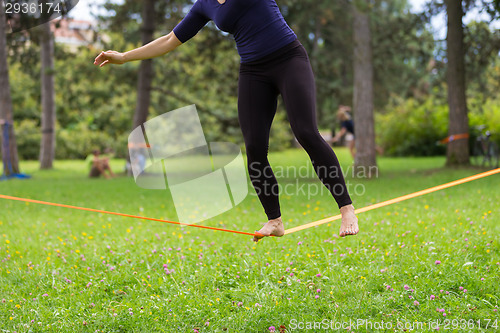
(125, 215)
(289, 231)
(454, 137)
(395, 200)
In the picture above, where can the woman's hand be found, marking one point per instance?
(109, 57)
(158, 47)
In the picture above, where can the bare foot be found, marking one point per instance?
(271, 228)
(349, 225)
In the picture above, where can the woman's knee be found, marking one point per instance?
(256, 150)
(307, 137)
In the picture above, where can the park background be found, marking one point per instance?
(62, 269)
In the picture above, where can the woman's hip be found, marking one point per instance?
(270, 62)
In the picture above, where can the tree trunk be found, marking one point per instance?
(458, 150)
(314, 60)
(48, 143)
(9, 153)
(364, 127)
(146, 73)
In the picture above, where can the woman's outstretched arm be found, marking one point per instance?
(158, 47)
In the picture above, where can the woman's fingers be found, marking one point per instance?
(100, 58)
(108, 57)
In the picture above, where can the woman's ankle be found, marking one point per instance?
(346, 208)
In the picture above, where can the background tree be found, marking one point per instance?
(363, 88)
(48, 119)
(153, 14)
(458, 150)
(24, 25)
(146, 72)
(6, 101)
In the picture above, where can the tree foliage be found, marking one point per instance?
(95, 107)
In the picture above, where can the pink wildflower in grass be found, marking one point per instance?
(482, 279)
(465, 290)
(461, 288)
(317, 296)
(416, 303)
(291, 274)
(318, 290)
(432, 297)
(447, 292)
(45, 295)
(318, 275)
(240, 304)
(437, 262)
(406, 287)
(272, 329)
(299, 243)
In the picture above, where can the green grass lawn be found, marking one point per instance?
(429, 259)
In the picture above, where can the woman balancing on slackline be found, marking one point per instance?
(273, 62)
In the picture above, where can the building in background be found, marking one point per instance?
(74, 33)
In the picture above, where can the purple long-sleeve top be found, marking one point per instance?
(257, 25)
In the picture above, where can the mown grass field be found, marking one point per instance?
(430, 261)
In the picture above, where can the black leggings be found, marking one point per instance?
(286, 71)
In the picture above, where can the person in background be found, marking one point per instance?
(346, 126)
(99, 165)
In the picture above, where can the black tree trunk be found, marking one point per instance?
(9, 153)
(364, 126)
(458, 150)
(48, 121)
(146, 73)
